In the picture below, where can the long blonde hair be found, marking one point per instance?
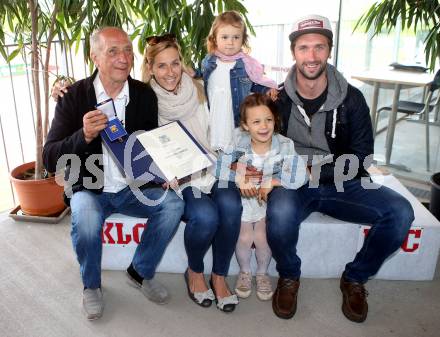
(232, 18)
(150, 53)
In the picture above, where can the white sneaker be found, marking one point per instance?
(264, 287)
(243, 287)
(93, 303)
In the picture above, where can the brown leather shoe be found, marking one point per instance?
(285, 298)
(354, 300)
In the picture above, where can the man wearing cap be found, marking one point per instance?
(329, 122)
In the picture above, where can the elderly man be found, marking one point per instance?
(329, 122)
(101, 188)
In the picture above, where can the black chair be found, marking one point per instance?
(421, 109)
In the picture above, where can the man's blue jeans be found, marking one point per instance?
(89, 210)
(212, 219)
(389, 214)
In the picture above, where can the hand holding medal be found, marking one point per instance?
(93, 122)
(114, 128)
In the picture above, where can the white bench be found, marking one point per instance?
(325, 245)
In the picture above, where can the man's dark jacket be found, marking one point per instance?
(66, 134)
(354, 133)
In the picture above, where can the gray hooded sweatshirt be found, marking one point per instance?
(309, 135)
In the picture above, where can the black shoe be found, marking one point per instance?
(228, 307)
(206, 298)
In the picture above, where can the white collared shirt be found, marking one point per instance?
(114, 180)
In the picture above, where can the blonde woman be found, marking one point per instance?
(212, 214)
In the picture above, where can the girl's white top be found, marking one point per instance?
(221, 116)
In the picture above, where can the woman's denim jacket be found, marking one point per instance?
(241, 85)
(282, 162)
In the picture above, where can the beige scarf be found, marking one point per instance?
(184, 106)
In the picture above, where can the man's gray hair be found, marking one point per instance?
(95, 38)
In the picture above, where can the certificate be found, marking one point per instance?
(175, 151)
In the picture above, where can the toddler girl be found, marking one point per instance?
(229, 75)
(258, 144)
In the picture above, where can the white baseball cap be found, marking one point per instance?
(311, 24)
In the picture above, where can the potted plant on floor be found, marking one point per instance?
(421, 14)
(34, 24)
(38, 193)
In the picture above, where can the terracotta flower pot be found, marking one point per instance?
(43, 197)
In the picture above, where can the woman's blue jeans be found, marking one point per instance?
(212, 219)
(389, 214)
(89, 210)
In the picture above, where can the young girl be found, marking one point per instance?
(229, 74)
(259, 145)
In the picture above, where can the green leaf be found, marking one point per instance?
(134, 34)
(3, 51)
(420, 14)
(13, 55)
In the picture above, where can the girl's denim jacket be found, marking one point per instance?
(241, 85)
(282, 162)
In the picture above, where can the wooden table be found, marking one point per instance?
(391, 79)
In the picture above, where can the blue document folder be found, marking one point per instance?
(139, 165)
(142, 167)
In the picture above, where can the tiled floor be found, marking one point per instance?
(409, 150)
(40, 292)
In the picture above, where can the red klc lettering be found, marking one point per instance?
(106, 233)
(137, 231)
(412, 240)
(121, 239)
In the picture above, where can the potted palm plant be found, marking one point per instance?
(37, 192)
(420, 14)
(35, 23)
